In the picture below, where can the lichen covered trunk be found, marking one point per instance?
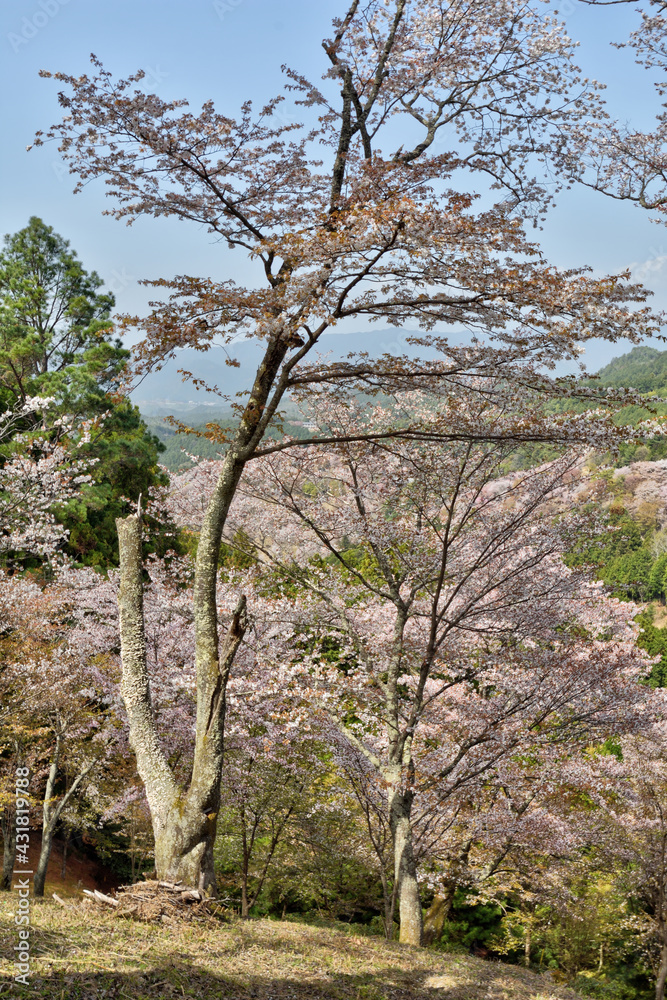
(411, 929)
(184, 820)
(184, 841)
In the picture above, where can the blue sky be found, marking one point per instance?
(230, 50)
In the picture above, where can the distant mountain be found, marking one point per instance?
(165, 392)
(642, 368)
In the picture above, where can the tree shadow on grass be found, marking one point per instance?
(42, 941)
(177, 979)
(187, 982)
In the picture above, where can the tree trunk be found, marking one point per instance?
(662, 971)
(184, 838)
(51, 813)
(389, 902)
(436, 915)
(405, 870)
(245, 909)
(184, 820)
(9, 852)
(43, 863)
(48, 820)
(245, 866)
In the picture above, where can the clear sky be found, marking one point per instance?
(231, 50)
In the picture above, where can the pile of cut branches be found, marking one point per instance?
(151, 901)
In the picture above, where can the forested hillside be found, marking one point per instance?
(642, 368)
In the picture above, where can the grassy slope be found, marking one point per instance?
(81, 953)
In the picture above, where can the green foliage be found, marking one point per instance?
(55, 326)
(628, 560)
(656, 580)
(625, 982)
(590, 942)
(623, 537)
(56, 339)
(471, 924)
(629, 575)
(642, 368)
(586, 940)
(177, 445)
(654, 641)
(320, 864)
(126, 468)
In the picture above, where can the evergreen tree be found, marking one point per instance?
(57, 340)
(55, 326)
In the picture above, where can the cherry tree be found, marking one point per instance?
(618, 159)
(71, 704)
(358, 213)
(27, 626)
(437, 628)
(167, 637)
(273, 766)
(371, 797)
(61, 719)
(630, 827)
(39, 475)
(517, 834)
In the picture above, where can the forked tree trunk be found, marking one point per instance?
(411, 929)
(184, 819)
(52, 811)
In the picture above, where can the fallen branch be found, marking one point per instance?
(100, 897)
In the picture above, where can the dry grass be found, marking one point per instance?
(81, 953)
(659, 614)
